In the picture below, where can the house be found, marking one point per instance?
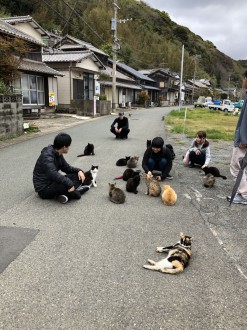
(167, 83)
(147, 84)
(37, 82)
(126, 87)
(76, 89)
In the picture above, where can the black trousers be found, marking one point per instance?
(197, 159)
(124, 133)
(55, 189)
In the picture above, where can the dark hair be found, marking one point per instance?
(202, 135)
(62, 140)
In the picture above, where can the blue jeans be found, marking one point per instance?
(159, 165)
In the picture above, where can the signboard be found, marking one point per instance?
(51, 99)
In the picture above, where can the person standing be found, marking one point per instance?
(239, 151)
(122, 129)
(48, 182)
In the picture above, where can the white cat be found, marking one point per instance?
(94, 170)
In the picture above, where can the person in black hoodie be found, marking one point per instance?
(122, 129)
(158, 157)
(49, 182)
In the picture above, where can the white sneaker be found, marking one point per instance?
(62, 199)
(238, 199)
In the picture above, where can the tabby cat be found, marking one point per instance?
(153, 186)
(116, 195)
(208, 180)
(132, 162)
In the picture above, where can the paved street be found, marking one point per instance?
(80, 264)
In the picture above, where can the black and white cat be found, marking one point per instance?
(90, 176)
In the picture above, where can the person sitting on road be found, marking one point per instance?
(198, 152)
(158, 157)
(48, 182)
(122, 129)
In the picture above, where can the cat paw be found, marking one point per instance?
(159, 249)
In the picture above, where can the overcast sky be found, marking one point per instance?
(224, 22)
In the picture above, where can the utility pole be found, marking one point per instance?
(196, 57)
(115, 47)
(181, 79)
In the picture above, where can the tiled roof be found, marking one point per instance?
(119, 75)
(25, 19)
(82, 43)
(71, 57)
(134, 72)
(8, 29)
(35, 66)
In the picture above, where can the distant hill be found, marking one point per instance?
(151, 39)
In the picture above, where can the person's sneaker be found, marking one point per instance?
(82, 189)
(62, 199)
(238, 199)
(169, 177)
(229, 197)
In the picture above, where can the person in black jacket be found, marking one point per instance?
(158, 157)
(49, 182)
(122, 129)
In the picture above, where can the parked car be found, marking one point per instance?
(239, 104)
(226, 106)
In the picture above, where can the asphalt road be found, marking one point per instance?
(83, 269)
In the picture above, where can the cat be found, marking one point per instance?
(90, 176)
(215, 171)
(122, 161)
(153, 186)
(177, 259)
(89, 150)
(169, 146)
(133, 183)
(169, 196)
(132, 162)
(128, 173)
(116, 195)
(208, 180)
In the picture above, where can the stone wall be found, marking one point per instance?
(11, 115)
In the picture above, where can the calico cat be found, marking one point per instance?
(208, 180)
(132, 162)
(153, 186)
(89, 150)
(177, 259)
(169, 196)
(133, 183)
(122, 161)
(116, 195)
(90, 176)
(214, 171)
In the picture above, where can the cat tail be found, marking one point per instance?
(82, 155)
(223, 177)
(118, 177)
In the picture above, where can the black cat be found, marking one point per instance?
(214, 171)
(89, 150)
(128, 173)
(122, 161)
(133, 183)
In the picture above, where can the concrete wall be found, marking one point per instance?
(86, 107)
(11, 115)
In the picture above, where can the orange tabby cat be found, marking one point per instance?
(169, 197)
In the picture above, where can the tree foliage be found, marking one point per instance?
(151, 39)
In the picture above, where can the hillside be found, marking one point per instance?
(150, 39)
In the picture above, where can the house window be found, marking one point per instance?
(32, 90)
(88, 86)
(78, 89)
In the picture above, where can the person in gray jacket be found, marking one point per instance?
(239, 151)
(49, 182)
